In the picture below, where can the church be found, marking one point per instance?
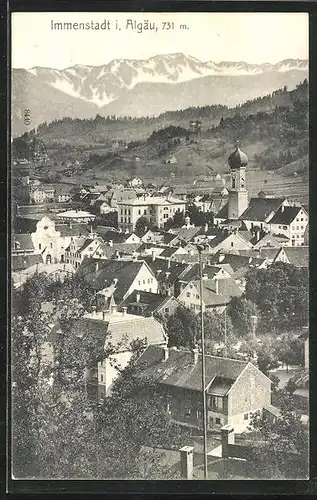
(268, 215)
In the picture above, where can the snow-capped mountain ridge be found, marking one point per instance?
(101, 85)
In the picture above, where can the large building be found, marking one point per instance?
(154, 208)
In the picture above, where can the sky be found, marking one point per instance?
(250, 37)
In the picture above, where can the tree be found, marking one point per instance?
(281, 295)
(143, 224)
(283, 451)
(131, 418)
(240, 311)
(182, 328)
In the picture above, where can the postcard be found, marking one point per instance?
(159, 247)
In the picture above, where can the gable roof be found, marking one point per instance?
(260, 208)
(74, 229)
(119, 329)
(285, 215)
(227, 288)
(298, 256)
(175, 269)
(236, 261)
(223, 213)
(179, 371)
(22, 241)
(151, 302)
(107, 271)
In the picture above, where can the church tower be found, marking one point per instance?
(238, 194)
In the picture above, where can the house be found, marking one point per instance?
(119, 329)
(297, 256)
(269, 240)
(112, 250)
(171, 160)
(62, 194)
(79, 249)
(260, 212)
(111, 236)
(291, 222)
(22, 244)
(135, 182)
(217, 293)
(42, 193)
(125, 276)
(235, 389)
(148, 304)
(167, 274)
(156, 209)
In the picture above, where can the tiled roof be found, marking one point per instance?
(236, 261)
(298, 256)
(115, 236)
(19, 262)
(179, 371)
(285, 215)
(175, 269)
(260, 208)
(227, 288)
(118, 329)
(124, 271)
(186, 234)
(74, 229)
(151, 301)
(168, 252)
(22, 242)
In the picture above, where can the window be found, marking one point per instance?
(101, 363)
(51, 245)
(139, 283)
(197, 296)
(143, 282)
(232, 243)
(284, 227)
(218, 421)
(216, 402)
(148, 280)
(199, 414)
(301, 219)
(187, 294)
(101, 377)
(139, 212)
(150, 289)
(67, 261)
(167, 310)
(187, 412)
(246, 416)
(40, 246)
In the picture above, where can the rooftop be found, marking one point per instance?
(151, 200)
(285, 215)
(260, 208)
(180, 371)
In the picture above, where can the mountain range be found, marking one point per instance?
(143, 87)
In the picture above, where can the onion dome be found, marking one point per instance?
(237, 159)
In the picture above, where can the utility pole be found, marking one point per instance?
(203, 370)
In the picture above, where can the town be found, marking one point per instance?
(111, 288)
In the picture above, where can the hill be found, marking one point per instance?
(273, 130)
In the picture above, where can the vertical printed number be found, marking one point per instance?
(27, 117)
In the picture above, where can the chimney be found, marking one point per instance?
(96, 266)
(217, 286)
(104, 315)
(282, 208)
(258, 235)
(115, 281)
(206, 227)
(187, 461)
(110, 243)
(205, 276)
(195, 355)
(94, 312)
(167, 274)
(153, 255)
(168, 263)
(124, 311)
(166, 353)
(138, 297)
(113, 309)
